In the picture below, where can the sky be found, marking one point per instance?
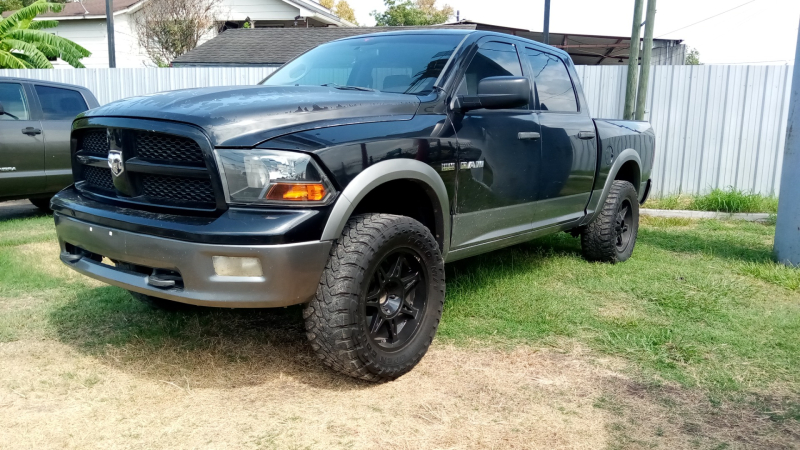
(757, 31)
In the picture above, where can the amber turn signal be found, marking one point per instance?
(313, 192)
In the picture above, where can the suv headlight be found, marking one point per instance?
(272, 177)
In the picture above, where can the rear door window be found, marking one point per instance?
(13, 101)
(553, 85)
(60, 104)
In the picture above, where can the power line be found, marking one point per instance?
(707, 18)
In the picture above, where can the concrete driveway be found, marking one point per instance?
(18, 209)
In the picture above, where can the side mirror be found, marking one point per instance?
(496, 93)
(2, 111)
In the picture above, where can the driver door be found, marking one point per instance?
(21, 154)
(499, 156)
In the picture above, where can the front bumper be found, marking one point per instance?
(291, 272)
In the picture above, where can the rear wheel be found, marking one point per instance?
(611, 236)
(380, 298)
(41, 203)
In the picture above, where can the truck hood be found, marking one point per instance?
(244, 116)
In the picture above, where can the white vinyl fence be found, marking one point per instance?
(716, 126)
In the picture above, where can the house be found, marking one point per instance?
(84, 22)
(274, 47)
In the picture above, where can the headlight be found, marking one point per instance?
(272, 176)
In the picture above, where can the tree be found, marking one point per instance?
(13, 5)
(420, 12)
(342, 9)
(167, 29)
(693, 58)
(23, 44)
(345, 11)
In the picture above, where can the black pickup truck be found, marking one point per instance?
(346, 180)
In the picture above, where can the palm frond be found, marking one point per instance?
(66, 49)
(42, 24)
(34, 55)
(11, 61)
(23, 17)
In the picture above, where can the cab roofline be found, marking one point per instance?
(460, 32)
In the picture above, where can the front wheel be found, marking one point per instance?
(380, 298)
(611, 236)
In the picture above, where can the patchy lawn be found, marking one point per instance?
(693, 343)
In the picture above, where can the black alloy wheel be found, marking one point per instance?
(611, 236)
(380, 298)
(395, 299)
(623, 226)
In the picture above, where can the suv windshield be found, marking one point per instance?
(406, 64)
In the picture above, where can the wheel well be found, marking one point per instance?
(630, 172)
(404, 198)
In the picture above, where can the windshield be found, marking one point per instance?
(406, 64)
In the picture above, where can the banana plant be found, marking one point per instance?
(24, 44)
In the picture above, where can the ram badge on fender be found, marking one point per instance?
(346, 180)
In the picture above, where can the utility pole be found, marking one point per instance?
(546, 30)
(633, 62)
(112, 56)
(647, 51)
(787, 229)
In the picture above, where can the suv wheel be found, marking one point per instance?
(41, 203)
(611, 236)
(380, 298)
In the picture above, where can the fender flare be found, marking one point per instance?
(626, 155)
(383, 172)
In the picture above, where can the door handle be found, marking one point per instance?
(30, 131)
(528, 135)
(586, 135)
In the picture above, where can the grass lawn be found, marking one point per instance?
(701, 307)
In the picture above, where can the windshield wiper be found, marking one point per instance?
(347, 88)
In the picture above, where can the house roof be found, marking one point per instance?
(92, 8)
(262, 46)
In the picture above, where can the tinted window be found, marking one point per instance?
(552, 82)
(403, 64)
(13, 101)
(493, 59)
(60, 104)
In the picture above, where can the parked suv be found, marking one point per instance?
(346, 180)
(35, 123)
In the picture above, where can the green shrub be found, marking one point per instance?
(718, 200)
(734, 201)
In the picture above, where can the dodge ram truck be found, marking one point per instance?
(346, 180)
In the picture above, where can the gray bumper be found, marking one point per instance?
(291, 271)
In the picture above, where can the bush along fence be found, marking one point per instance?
(717, 127)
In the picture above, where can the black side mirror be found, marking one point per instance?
(496, 93)
(2, 111)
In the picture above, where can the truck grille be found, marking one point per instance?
(172, 149)
(98, 178)
(96, 142)
(160, 169)
(177, 188)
